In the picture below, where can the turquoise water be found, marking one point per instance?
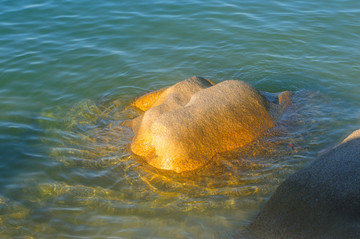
(69, 69)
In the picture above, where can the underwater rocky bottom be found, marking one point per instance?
(90, 185)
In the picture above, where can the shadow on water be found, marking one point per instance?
(95, 186)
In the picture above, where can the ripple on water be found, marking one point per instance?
(97, 180)
(93, 185)
(80, 179)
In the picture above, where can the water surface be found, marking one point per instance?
(68, 71)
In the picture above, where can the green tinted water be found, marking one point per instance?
(68, 70)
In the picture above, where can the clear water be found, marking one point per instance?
(69, 69)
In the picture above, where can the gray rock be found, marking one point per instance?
(320, 201)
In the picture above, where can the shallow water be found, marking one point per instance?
(68, 71)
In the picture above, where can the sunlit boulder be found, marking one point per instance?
(184, 126)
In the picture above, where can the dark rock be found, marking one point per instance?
(320, 201)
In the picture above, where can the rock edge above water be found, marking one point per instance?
(319, 201)
(185, 125)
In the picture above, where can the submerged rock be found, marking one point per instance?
(320, 201)
(186, 125)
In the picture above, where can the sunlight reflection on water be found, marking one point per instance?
(98, 172)
(69, 69)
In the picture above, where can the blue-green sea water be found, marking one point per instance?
(69, 69)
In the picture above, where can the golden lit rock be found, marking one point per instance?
(186, 125)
